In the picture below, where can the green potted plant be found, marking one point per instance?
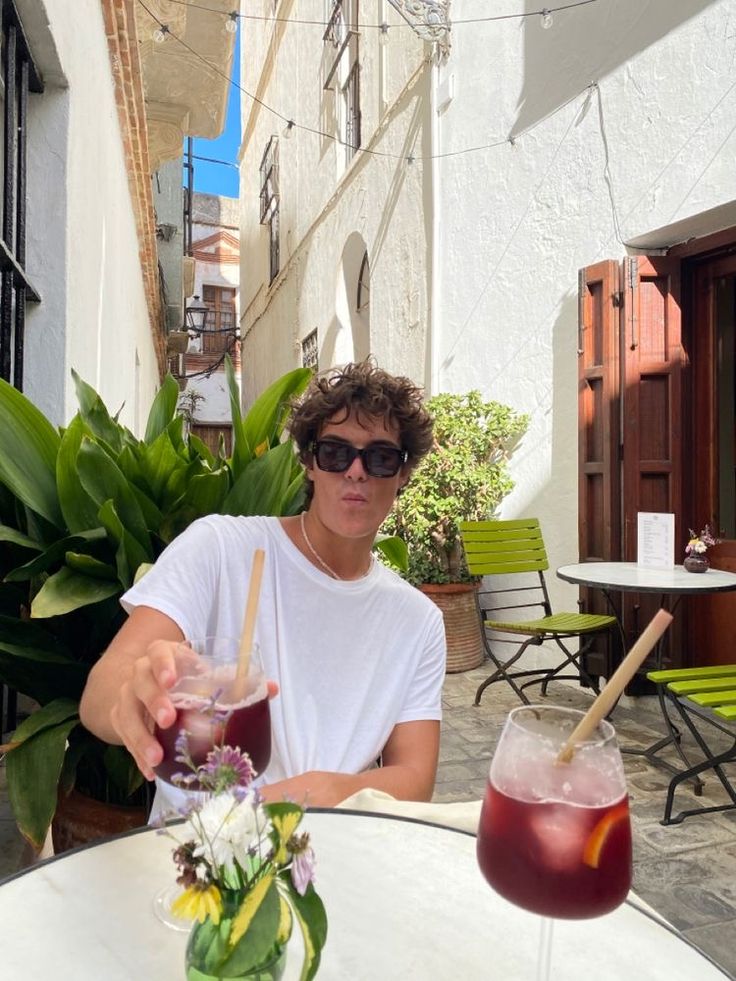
(83, 512)
(464, 477)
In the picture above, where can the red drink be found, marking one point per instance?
(553, 858)
(247, 727)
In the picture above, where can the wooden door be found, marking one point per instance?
(712, 329)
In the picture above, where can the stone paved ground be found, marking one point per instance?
(687, 872)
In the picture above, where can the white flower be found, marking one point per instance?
(224, 828)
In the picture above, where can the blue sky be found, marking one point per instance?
(212, 178)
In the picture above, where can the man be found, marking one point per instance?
(358, 654)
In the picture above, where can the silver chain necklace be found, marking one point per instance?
(328, 569)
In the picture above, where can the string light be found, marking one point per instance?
(161, 33)
(548, 11)
(292, 125)
(231, 24)
(289, 131)
(383, 36)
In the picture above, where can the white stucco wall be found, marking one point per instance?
(378, 197)
(82, 243)
(636, 161)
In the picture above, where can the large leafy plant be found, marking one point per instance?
(464, 477)
(83, 512)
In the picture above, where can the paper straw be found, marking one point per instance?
(249, 623)
(618, 681)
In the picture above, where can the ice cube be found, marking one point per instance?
(557, 835)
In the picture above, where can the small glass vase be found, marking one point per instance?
(695, 563)
(207, 958)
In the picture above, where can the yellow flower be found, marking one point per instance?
(199, 902)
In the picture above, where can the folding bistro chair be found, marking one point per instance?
(516, 548)
(707, 694)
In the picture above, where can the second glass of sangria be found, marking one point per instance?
(555, 838)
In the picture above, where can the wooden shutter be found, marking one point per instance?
(630, 419)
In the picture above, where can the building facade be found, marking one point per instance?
(536, 148)
(96, 106)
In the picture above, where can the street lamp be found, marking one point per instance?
(195, 316)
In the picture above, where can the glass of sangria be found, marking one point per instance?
(555, 838)
(215, 707)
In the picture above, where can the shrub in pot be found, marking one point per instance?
(464, 477)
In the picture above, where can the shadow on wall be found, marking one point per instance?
(586, 43)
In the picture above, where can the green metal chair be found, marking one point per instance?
(707, 694)
(511, 549)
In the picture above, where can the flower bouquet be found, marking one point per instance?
(245, 872)
(695, 558)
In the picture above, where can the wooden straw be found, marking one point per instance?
(249, 623)
(618, 681)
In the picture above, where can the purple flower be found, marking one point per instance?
(227, 767)
(302, 870)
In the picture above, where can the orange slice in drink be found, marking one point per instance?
(599, 835)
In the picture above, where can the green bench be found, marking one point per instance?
(708, 694)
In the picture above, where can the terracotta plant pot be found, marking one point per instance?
(462, 626)
(79, 820)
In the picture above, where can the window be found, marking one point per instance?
(310, 351)
(343, 70)
(19, 77)
(363, 298)
(270, 202)
(220, 319)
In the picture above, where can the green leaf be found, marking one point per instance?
(14, 537)
(89, 566)
(394, 549)
(242, 452)
(312, 920)
(122, 770)
(53, 555)
(261, 487)
(261, 914)
(163, 409)
(104, 481)
(29, 445)
(94, 412)
(157, 461)
(78, 508)
(201, 449)
(34, 765)
(129, 554)
(267, 416)
(67, 590)
(207, 491)
(40, 673)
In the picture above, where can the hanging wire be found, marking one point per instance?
(322, 23)
(291, 124)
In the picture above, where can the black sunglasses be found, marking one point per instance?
(378, 459)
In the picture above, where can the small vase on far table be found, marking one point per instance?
(695, 563)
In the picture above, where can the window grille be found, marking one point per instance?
(220, 319)
(20, 77)
(310, 351)
(343, 69)
(270, 202)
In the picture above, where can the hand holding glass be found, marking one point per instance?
(214, 708)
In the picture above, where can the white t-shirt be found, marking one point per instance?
(352, 659)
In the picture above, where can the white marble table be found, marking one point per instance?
(404, 900)
(628, 577)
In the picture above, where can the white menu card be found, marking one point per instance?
(655, 540)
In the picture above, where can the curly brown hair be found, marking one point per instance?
(368, 391)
